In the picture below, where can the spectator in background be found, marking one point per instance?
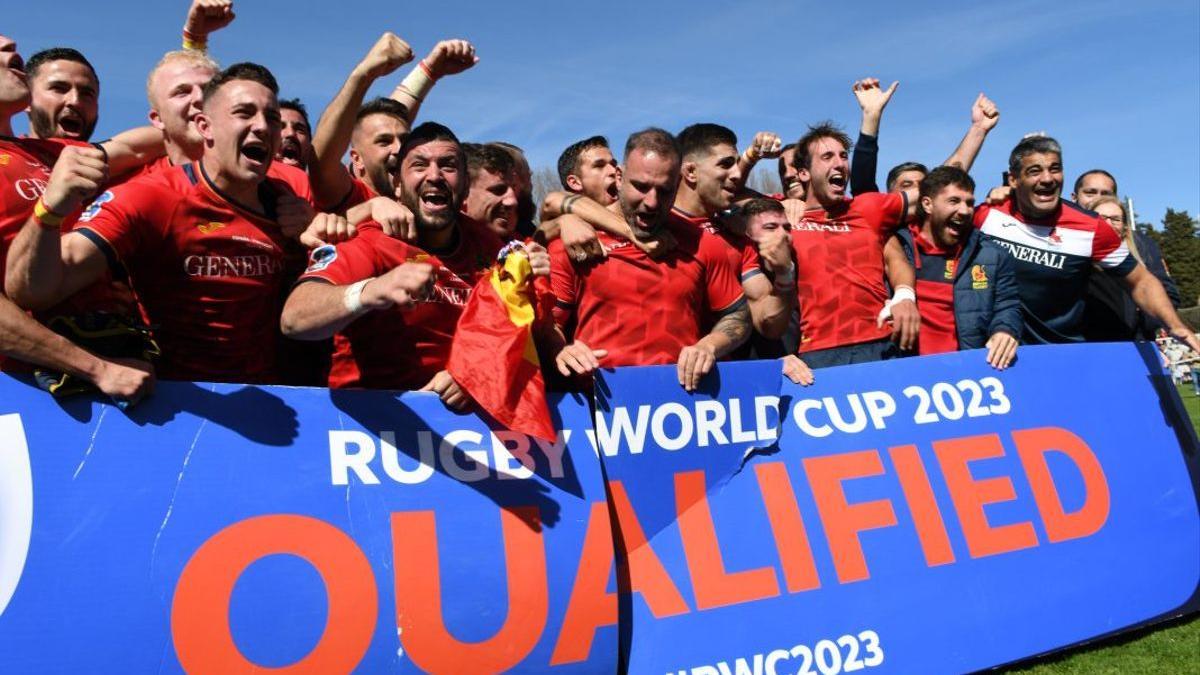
(966, 287)
(1096, 184)
(523, 182)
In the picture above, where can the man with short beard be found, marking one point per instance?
(23, 177)
(492, 199)
(374, 132)
(966, 287)
(393, 306)
(632, 310)
(64, 95)
(840, 259)
(200, 242)
(1056, 244)
(295, 143)
(710, 177)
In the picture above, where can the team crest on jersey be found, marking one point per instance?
(1054, 238)
(979, 279)
(321, 258)
(951, 268)
(94, 208)
(210, 227)
(5, 159)
(420, 257)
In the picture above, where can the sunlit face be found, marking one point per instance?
(829, 173)
(1037, 186)
(949, 214)
(492, 200)
(240, 125)
(64, 101)
(14, 86)
(597, 176)
(788, 176)
(714, 176)
(1114, 215)
(295, 139)
(375, 150)
(433, 178)
(177, 98)
(760, 224)
(908, 180)
(1093, 187)
(648, 185)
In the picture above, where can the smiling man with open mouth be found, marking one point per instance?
(65, 95)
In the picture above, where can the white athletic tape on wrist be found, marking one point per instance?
(352, 298)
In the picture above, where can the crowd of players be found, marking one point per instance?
(235, 233)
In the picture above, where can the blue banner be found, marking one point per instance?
(922, 515)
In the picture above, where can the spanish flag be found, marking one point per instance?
(493, 355)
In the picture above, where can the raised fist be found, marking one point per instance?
(78, 174)
(450, 57)
(387, 54)
(208, 16)
(984, 113)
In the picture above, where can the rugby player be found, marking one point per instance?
(523, 184)
(630, 309)
(491, 200)
(25, 167)
(710, 177)
(839, 253)
(1055, 245)
(199, 242)
(966, 287)
(392, 306)
(64, 95)
(374, 132)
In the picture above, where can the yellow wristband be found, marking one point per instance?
(45, 217)
(194, 43)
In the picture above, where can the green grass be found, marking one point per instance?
(1173, 648)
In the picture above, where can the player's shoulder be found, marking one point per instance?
(146, 193)
(283, 177)
(1074, 216)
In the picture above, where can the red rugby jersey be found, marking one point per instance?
(25, 165)
(839, 269)
(401, 348)
(207, 271)
(644, 311)
(358, 193)
(743, 249)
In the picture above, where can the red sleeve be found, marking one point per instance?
(293, 179)
(981, 213)
(349, 261)
(128, 218)
(723, 287)
(563, 283)
(883, 210)
(358, 193)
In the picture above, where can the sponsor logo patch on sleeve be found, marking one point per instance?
(321, 257)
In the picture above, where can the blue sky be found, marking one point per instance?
(1117, 82)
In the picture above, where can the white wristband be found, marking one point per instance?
(352, 298)
(417, 83)
(903, 293)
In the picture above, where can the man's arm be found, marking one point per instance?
(906, 320)
(865, 160)
(45, 266)
(316, 310)
(131, 150)
(766, 145)
(730, 331)
(448, 57)
(1148, 293)
(771, 295)
(984, 117)
(27, 340)
(1006, 326)
(330, 182)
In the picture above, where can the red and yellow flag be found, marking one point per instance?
(493, 355)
